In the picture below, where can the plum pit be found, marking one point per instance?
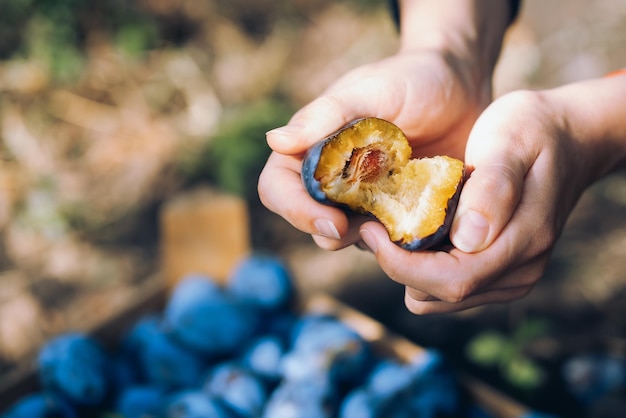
(366, 164)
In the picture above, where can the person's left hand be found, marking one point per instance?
(528, 173)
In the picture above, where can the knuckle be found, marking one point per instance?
(523, 99)
(544, 242)
(290, 213)
(527, 107)
(544, 237)
(418, 295)
(458, 291)
(547, 237)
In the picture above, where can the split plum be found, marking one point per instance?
(367, 167)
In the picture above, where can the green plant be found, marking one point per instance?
(56, 33)
(235, 156)
(505, 352)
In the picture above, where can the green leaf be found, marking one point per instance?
(530, 329)
(486, 348)
(523, 373)
(136, 37)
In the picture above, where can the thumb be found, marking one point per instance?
(487, 202)
(311, 124)
(494, 188)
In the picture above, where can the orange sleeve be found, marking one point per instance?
(621, 71)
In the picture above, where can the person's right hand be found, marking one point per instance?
(431, 95)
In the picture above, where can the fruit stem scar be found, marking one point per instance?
(366, 164)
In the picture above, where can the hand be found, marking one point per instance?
(431, 96)
(531, 162)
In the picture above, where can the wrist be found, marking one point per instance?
(593, 117)
(467, 31)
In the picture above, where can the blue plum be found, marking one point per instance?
(367, 167)
(239, 388)
(389, 378)
(538, 414)
(194, 403)
(363, 402)
(140, 402)
(189, 290)
(324, 345)
(75, 366)
(591, 376)
(159, 359)
(307, 398)
(435, 388)
(204, 318)
(360, 403)
(239, 351)
(385, 393)
(263, 357)
(423, 388)
(263, 281)
(40, 405)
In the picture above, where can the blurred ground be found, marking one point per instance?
(104, 120)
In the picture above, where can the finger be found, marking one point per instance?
(523, 276)
(351, 237)
(449, 276)
(443, 275)
(496, 296)
(365, 91)
(455, 276)
(418, 295)
(280, 190)
(361, 245)
(332, 244)
(488, 200)
(311, 124)
(500, 161)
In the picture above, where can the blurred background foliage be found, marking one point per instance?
(110, 108)
(55, 33)
(233, 159)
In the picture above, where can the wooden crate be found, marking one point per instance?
(151, 297)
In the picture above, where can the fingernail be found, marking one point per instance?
(286, 130)
(369, 240)
(471, 232)
(326, 228)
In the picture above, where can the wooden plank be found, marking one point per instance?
(203, 231)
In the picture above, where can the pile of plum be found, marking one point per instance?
(239, 350)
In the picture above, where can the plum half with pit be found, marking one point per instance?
(368, 168)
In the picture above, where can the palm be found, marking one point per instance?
(434, 105)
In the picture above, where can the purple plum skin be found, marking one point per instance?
(309, 165)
